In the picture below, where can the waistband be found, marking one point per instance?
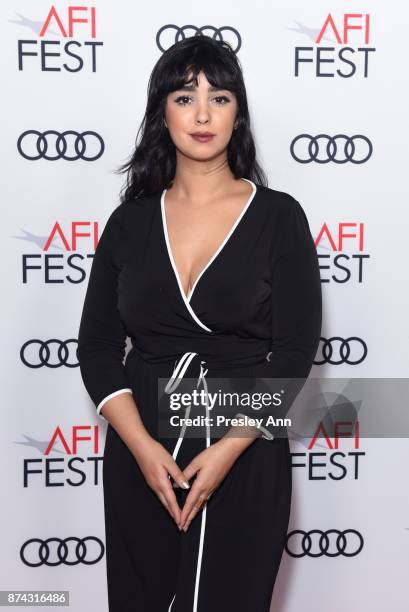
(219, 353)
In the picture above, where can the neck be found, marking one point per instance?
(198, 181)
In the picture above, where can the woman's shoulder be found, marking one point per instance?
(133, 208)
(277, 203)
(283, 211)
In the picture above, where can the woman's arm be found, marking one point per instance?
(296, 307)
(296, 317)
(101, 350)
(102, 336)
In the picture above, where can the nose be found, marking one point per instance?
(202, 111)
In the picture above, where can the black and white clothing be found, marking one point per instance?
(254, 310)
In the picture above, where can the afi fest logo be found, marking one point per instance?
(342, 48)
(59, 462)
(337, 266)
(324, 460)
(71, 53)
(59, 261)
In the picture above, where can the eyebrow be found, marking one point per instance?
(191, 87)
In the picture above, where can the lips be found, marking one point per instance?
(202, 136)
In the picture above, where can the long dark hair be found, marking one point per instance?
(151, 167)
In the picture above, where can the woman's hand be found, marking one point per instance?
(211, 466)
(157, 464)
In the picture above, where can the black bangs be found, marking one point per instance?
(192, 55)
(217, 77)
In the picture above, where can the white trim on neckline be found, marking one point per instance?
(187, 298)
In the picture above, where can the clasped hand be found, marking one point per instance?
(210, 467)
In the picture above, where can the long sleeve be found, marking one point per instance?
(102, 335)
(296, 307)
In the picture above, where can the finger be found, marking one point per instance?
(185, 527)
(191, 469)
(174, 514)
(195, 511)
(191, 500)
(189, 519)
(163, 487)
(177, 475)
(171, 500)
(177, 486)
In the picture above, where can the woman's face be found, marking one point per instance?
(200, 109)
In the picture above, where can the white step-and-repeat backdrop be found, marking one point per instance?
(325, 84)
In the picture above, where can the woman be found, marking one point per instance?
(210, 273)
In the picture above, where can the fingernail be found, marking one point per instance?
(185, 484)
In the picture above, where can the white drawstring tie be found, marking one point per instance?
(177, 375)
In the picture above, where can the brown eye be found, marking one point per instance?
(181, 100)
(222, 100)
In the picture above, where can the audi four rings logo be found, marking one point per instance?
(173, 34)
(52, 145)
(36, 353)
(70, 551)
(345, 145)
(331, 543)
(344, 350)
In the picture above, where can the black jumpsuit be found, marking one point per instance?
(254, 311)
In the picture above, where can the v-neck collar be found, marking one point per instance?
(187, 298)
